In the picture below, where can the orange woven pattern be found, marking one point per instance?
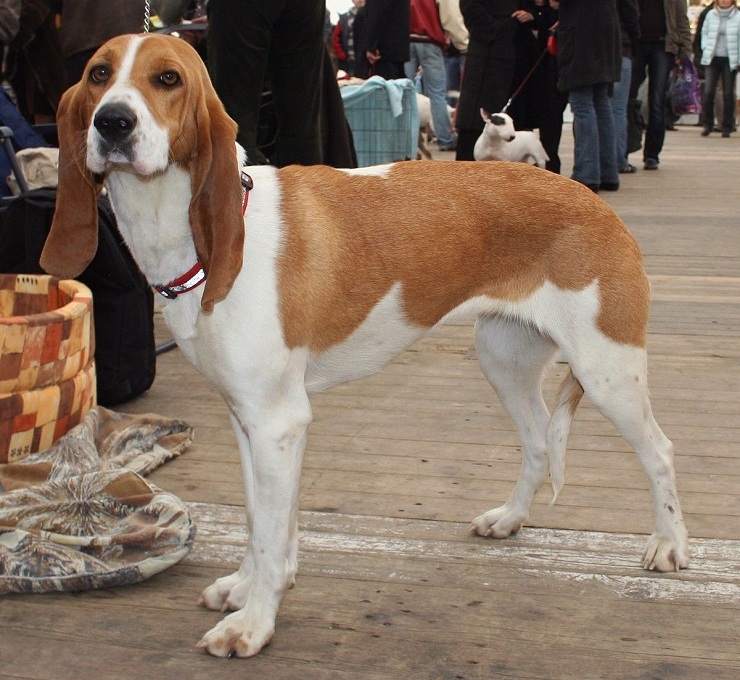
(46, 333)
(33, 420)
(47, 370)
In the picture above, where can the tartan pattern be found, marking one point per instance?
(47, 370)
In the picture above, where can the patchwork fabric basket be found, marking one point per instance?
(47, 367)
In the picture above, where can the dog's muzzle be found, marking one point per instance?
(115, 123)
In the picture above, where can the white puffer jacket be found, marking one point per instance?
(709, 32)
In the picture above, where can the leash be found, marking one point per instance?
(147, 15)
(526, 78)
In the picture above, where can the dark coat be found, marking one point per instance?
(589, 43)
(629, 21)
(384, 26)
(490, 61)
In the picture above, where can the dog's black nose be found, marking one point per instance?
(115, 122)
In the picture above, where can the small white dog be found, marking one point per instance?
(499, 141)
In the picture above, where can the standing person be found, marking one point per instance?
(343, 38)
(249, 39)
(540, 104)
(720, 40)
(589, 63)
(629, 22)
(384, 38)
(428, 40)
(457, 45)
(489, 67)
(664, 37)
(87, 24)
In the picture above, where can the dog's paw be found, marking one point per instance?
(498, 523)
(665, 554)
(226, 594)
(238, 635)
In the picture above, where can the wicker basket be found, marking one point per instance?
(47, 370)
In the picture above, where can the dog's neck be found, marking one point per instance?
(152, 216)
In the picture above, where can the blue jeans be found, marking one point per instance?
(620, 98)
(651, 60)
(434, 79)
(595, 148)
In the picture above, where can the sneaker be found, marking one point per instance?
(609, 186)
(706, 132)
(627, 169)
(725, 134)
(651, 164)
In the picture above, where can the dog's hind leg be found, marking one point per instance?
(614, 377)
(513, 356)
(275, 424)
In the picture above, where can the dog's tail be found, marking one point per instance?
(569, 397)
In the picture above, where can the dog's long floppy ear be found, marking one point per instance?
(73, 237)
(216, 217)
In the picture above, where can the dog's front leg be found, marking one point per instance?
(272, 438)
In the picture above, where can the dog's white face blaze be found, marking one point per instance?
(147, 150)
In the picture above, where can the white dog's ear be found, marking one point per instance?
(485, 116)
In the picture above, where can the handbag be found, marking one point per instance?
(635, 125)
(683, 88)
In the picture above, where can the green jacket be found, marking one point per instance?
(678, 33)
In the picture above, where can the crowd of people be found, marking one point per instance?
(530, 58)
(534, 57)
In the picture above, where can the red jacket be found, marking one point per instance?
(425, 25)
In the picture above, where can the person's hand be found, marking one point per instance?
(522, 16)
(373, 57)
(194, 37)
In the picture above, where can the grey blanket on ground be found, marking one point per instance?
(80, 515)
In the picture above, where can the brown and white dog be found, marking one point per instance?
(332, 273)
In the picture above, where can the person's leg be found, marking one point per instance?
(586, 167)
(435, 87)
(296, 60)
(711, 78)
(728, 97)
(466, 139)
(239, 38)
(608, 172)
(639, 70)
(619, 100)
(411, 67)
(659, 66)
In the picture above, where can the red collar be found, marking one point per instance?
(196, 275)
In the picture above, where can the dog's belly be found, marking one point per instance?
(384, 333)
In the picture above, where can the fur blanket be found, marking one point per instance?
(80, 515)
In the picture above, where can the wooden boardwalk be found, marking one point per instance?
(391, 585)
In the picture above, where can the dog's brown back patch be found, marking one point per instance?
(447, 231)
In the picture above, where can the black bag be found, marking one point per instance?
(123, 302)
(635, 125)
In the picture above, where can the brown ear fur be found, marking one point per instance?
(73, 238)
(215, 209)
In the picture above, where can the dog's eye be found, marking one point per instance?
(169, 78)
(100, 74)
